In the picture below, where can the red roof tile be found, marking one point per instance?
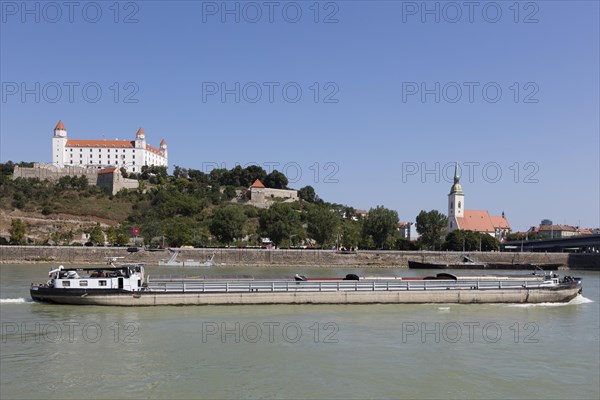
(499, 222)
(257, 184)
(107, 170)
(60, 126)
(140, 132)
(154, 150)
(100, 143)
(476, 220)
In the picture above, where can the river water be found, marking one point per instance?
(548, 351)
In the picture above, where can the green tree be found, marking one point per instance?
(523, 236)
(431, 226)
(96, 235)
(307, 193)
(276, 180)
(17, 231)
(460, 240)
(227, 223)
(111, 235)
(122, 237)
(322, 224)
(382, 225)
(179, 232)
(488, 243)
(280, 222)
(351, 234)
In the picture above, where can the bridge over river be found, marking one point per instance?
(580, 244)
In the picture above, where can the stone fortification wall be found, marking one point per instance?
(53, 173)
(113, 181)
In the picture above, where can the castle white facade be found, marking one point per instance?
(131, 154)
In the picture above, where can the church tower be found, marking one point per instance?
(456, 202)
(59, 142)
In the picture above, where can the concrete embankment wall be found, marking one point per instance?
(264, 257)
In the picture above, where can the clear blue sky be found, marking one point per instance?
(375, 58)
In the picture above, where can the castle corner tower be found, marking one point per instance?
(59, 142)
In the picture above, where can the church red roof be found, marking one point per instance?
(476, 220)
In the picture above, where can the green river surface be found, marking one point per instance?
(547, 351)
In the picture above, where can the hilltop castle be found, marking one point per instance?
(131, 154)
(472, 220)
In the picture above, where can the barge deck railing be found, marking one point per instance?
(199, 286)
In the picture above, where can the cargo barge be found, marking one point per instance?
(128, 285)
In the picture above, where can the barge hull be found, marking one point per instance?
(464, 296)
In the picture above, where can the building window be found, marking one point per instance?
(451, 204)
(66, 283)
(450, 224)
(101, 283)
(83, 283)
(459, 204)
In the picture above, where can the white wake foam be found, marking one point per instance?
(15, 301)
(579, 299)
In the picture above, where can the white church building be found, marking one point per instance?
(473, 220)
(131, 154)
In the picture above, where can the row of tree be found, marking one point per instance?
(191, 207)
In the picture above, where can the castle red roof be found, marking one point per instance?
(140, 132)
(100, 143)
(60, 126)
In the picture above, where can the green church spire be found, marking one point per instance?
(456, 188)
